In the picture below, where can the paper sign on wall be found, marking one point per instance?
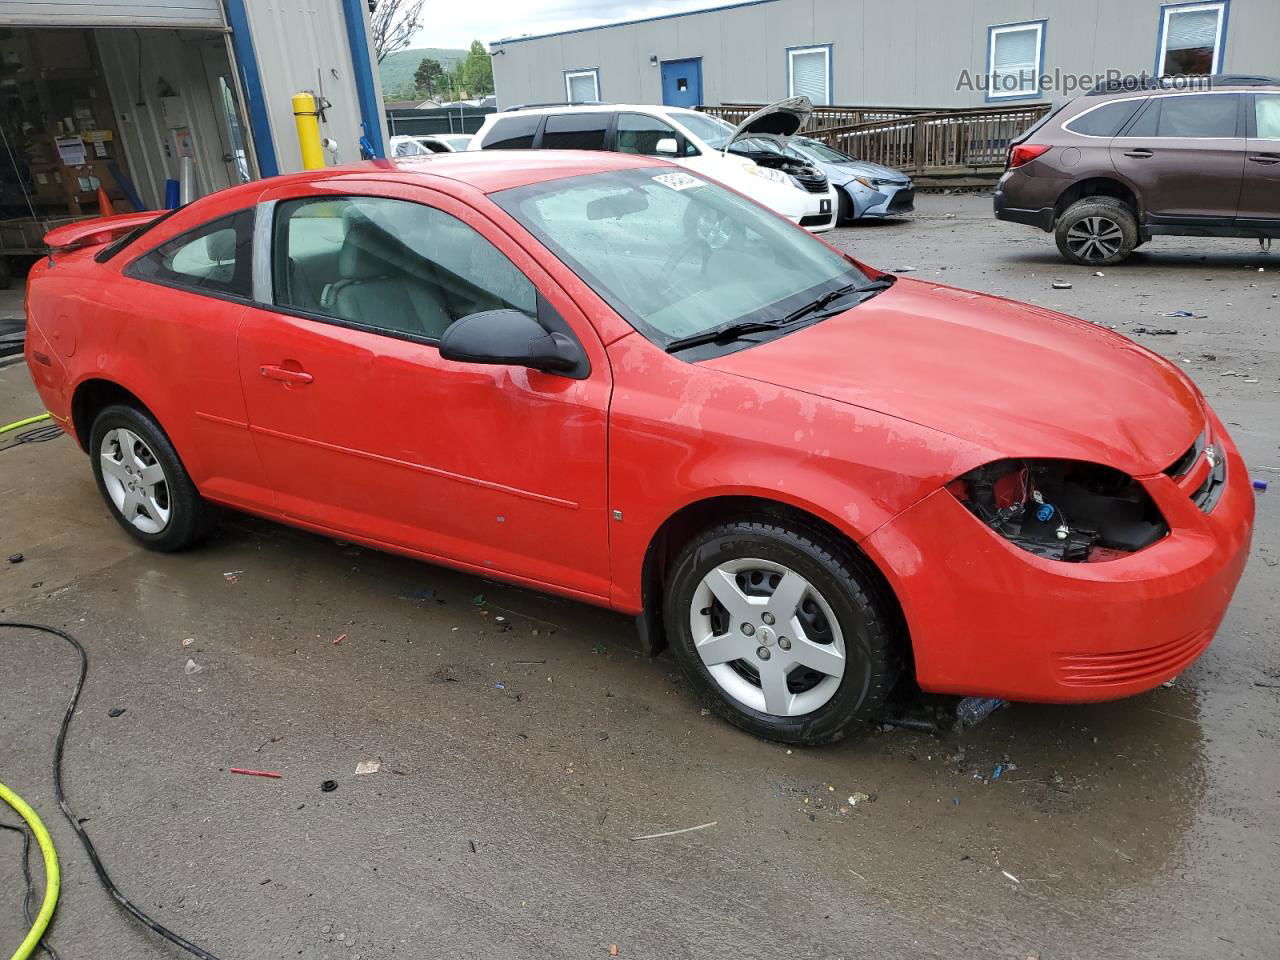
(71, 150)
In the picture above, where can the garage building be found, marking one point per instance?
(115, 95)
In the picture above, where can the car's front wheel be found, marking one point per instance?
(785, 631)
(144, 482)
(1096, 231)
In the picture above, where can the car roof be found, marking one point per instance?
(588, 108)
(486, 171)
(1161, 86)
(492, 170)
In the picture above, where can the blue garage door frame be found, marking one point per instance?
(682, 82)
(366, 90)
(264, 147)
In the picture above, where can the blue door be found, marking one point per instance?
(682, 83)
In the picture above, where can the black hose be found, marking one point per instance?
(29, 896)
(72, 819)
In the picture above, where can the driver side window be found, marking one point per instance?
(390, 265)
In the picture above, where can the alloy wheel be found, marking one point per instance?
(1095, 238)
(135, 480)
(768, 637)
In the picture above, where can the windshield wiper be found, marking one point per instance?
(832, 296)
(732, 331)
(723, 334)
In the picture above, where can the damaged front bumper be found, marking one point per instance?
(881, 199)
(989, 619)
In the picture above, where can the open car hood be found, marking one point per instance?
(778, 121)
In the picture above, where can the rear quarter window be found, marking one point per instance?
(214, 258)
(1104, 121)
(512, 133)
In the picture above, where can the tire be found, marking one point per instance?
(161, 510)
(842, 609)
(1096, 231)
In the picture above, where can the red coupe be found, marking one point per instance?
(609, 378)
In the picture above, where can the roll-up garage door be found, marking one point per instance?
(188, 14)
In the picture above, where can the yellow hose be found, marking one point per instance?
(22, 423)
(52, 878)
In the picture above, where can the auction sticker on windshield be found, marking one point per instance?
(679, 181)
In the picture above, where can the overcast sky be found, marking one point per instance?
(457, 24)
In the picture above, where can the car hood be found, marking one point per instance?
(860, 168)
(778, 121)
(1016, 379)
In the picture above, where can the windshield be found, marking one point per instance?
(712, 131)
(816, 149)
(674, 254)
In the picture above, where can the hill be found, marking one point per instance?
(398, 69)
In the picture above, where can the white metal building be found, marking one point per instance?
(922, 53)
(136, 86)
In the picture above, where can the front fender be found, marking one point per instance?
(682, 434)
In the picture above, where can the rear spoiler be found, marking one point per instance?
(99, 230)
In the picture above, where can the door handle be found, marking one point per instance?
(1265, 158)
(1142, 153)
(285, 375)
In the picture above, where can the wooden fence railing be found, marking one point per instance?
(937, 147)
(823, 117)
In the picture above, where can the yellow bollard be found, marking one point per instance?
(307, 119)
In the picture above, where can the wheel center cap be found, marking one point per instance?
(765, 637)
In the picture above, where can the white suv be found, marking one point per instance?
(795, 189)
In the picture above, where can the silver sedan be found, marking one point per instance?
(866, 190)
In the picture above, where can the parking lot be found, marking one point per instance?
(524, 742)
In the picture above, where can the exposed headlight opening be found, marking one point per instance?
(1063, 510)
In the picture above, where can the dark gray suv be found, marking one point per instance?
(1107, 171)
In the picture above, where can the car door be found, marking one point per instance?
(643, 135)
(1185, 155)
(364, 429)
(179, 312)
(1260, 197)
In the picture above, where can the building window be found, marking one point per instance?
(582, 86)
(1191, 37)
(1014, 53)
(809, 73)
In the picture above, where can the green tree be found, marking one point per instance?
(425, 77)
(446, 84)
(476, 71)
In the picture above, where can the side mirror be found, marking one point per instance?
(510, 338)
(667, 147)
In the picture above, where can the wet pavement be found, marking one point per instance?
(523, 741)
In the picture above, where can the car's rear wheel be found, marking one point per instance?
(144, 483)
(784, 631)
(1097, 231)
